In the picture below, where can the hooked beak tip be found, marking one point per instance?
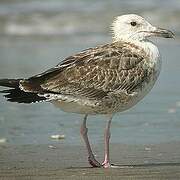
(163, 33)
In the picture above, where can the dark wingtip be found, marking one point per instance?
(19, 96)
(12, 83)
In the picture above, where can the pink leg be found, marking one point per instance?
(92, 161)
(107, 135)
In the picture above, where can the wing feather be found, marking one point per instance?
(96, 72)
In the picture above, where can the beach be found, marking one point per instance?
(155, 161)
(145, 140)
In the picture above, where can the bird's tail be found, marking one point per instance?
(15, 94)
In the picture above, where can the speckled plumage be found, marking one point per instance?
(101, 80)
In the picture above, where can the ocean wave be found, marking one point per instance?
(43, 24)
(64, 17)
(42, 28)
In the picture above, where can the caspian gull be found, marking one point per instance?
(102, 80)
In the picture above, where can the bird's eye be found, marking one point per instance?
(133, 23)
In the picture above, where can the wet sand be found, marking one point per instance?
(57, 161)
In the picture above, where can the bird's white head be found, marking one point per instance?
(132, 27)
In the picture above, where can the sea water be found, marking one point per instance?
(37, 35)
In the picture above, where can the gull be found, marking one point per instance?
(102, 80)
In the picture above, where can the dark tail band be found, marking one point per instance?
(15, 94)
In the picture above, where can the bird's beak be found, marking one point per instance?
(159, 32)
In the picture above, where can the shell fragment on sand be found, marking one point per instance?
(58, 136)
(3, 140)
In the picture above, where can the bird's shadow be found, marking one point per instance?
(129, 166)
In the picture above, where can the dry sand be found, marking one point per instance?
(160, 161)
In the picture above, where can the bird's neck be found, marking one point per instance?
(153, 53)
(149, 47)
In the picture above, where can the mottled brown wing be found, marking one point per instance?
(95, 72)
